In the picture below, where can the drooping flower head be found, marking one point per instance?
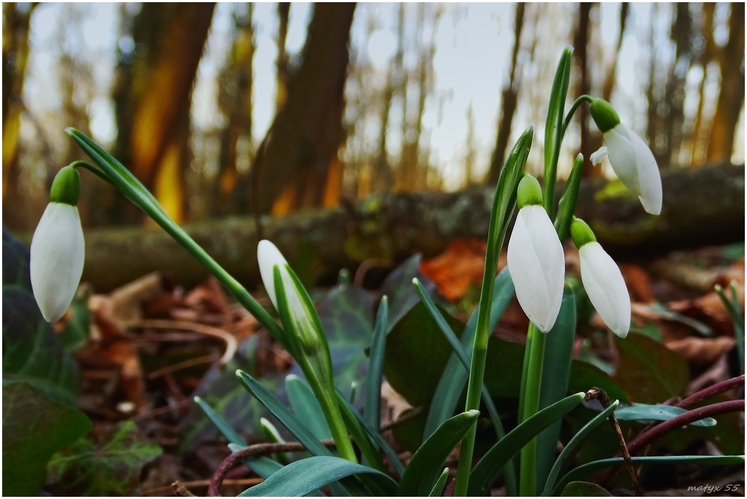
(57, 248)
(535, 258)
(630, 158)
(602, 280)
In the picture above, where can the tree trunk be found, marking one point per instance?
(15, 56)
(581, 42)
(731, 98)
(153, 89)
(292, 167)
(702, 206)
(281, 63)
(509, 99)
(611, 74)
(230, 187)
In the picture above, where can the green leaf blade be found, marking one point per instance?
(426, 464)
(307, 475)
(492, 463)
(556, 370)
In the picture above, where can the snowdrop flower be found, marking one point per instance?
(300, 310)
(602, 280)
(535, 258)
(630, 157)
(57, 248)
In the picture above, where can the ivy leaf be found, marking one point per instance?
(32, 352)
(34, 428)
(88, 469)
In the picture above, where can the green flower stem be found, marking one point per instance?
(572, 110)
(504, 203)
(110, 170)
(529, 405)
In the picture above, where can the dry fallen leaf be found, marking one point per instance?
(460, 265)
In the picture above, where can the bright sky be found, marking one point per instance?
(471, 64)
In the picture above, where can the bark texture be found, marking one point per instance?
(702, 206)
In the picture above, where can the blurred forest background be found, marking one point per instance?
(232, 108)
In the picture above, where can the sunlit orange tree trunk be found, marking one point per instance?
(15, 55)
(152, 97)
(297, 164)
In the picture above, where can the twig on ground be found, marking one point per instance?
(601, 395)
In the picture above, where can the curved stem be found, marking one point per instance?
(253, 450)
(572, 111)
(683, 419)
(721, 387)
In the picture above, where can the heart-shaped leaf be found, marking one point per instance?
(113, 468)
(34, 428)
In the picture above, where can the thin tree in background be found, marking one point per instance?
(580, 43)
(471, 152)
(230, 187)
(298, 157)
(509, 100)
(15, 56)
(282, 74)
(731, 98)
(674, 95)
(611, 71)
(152, 99)
(394, 83)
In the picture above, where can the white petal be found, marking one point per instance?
(537, 266)
(622, 157)
(57, 256)
(649, 177)
(605, 287)
(598, 156)
(268, 255)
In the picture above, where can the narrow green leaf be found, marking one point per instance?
(306, 407)
(462, 356)
(556, 369)
(584, 489)
(290, 421)
(34, 428)
(589, 469)
(647, 413)
(454, 378)
(355, 428)
(307, 475)
(490, 466)
(304, 435)
(347, 407)
(438, 489)
(553, 127)
(372, 407)
(570, 449)
(424, 468)
(567, 204)
(261, 465)
(273, 436)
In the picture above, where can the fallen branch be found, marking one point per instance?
(702, 206)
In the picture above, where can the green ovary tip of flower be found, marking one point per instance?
(529, 192)
(581, 233)
(604, 115)
(66, 186)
